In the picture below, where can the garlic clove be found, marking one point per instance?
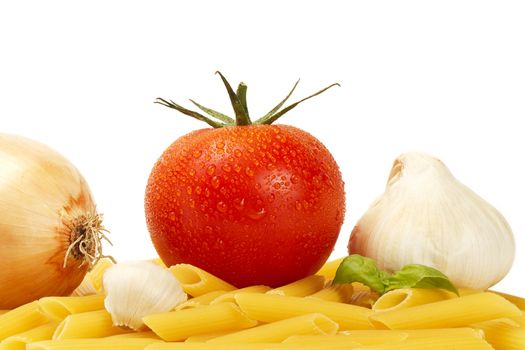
(426, 216)
(137, 289)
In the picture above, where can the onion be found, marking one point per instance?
(50, 232)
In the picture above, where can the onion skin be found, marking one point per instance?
(43, 200)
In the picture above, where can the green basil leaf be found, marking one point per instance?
(357, 268)
(419, 276)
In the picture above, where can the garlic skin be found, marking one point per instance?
(137, 289)
(426, 216)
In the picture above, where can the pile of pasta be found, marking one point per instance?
(307, 314)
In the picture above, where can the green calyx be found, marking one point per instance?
(240, 107)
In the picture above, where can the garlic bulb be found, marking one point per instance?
(137, 289)
(50, 232)
(428, 217)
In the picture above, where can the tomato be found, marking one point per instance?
(252, 204)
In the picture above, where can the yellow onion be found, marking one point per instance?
(50, 232)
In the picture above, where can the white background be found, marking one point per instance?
(444, 77)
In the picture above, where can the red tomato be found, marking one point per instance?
(257, 204)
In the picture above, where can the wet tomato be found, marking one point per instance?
(252, 204)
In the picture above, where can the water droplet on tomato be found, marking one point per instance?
(215, 181)
(206, 192)
(257, 214)
(189, 190)
(211, 169)
(237, 153)
(276, 185)
(178, 193)
(249, 171)
(251, 149)
(198, 190)
(294, 179)
(258, 186)
(220, 145)
(191, 203)
(298, 206)
(222, 207)
(197, 154)
(227, 168)
(208, 229)
(192, 172)
(238, 203)
(237, 168)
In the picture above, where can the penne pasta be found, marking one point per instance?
(21, 319)
(519, 302)
(456, 312)
(462, 332)
(230, 296)
(19, 341)
(58, 308)
(202, 338)
(467, 343)
(348, 345)
(329, 269)
(208, 346)
(408, 297)
(520, 320)
(204, 299)
(93, 324)
(280, 330)
(196, 281)
(93, 344)
(300, 288)
(363, 295)
(339, 293)
(179, 325)
(503, 334)
(92, 282)
(468, 291)
(158, 261)
(367, 338)
(271, 308)
(146, 334)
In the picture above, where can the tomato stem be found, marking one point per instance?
(173, 105)
(273, 117)
(241, 93)
(241, 114)
(240, 107)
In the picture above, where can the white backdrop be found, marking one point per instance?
(443, 77)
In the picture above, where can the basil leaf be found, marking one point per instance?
(357, 268)
(419, 276)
